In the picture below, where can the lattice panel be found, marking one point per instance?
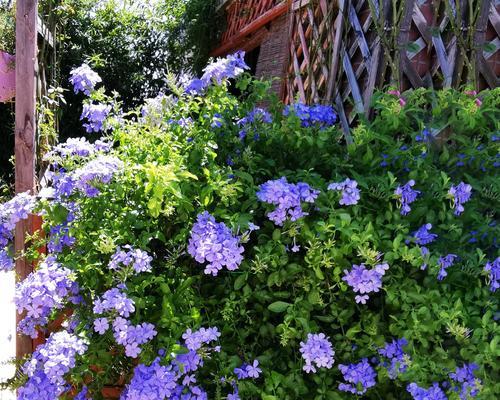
(361, 54)
(241, 13)
(311, 65)
(340, 51)
(440, 50)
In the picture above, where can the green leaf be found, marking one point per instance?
(276, 235)
(278, 306)
(240, 281)
(351, 332)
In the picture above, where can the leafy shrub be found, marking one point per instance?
(340, 270)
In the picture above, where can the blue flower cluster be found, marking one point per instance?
(86, 178)
(48, 288)
(79, 146)
(459, 195)
(155, 381)
(48, 365)
(136, 259)
(177, 380)
(113, 303)
(364, 280)
(423, 236)
(195, 340)
(444, 263)
(433, 393)
(397, 357)
(247, 122)
(82, 395)
(465, 381)
(16, 209)
(359, 377)
(130, 336)
(425, 136)
(114, 300)
(84, 79)
(59, 237)
(349, 189)
(406, 195)
(213, 242)
(317, 352)
(223, 68)
(95, 114)
(493, 269)
(318, 116)
(288, 198)
(248, 370)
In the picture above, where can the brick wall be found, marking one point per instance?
(273, 55)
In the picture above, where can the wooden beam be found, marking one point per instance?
(44, 32)
(239, 38)
(25, 128)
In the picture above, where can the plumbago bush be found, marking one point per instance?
(220, 246)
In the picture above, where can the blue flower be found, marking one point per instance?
(288, 198)
(444, 263)
(406, 195)
(363, 280)
(221, 69)
(359, 377)
(423, 236)
(317, 352)
(349, 189)
(424, 137)
(317, 115)
(95, 115)
(460, 194)
(84, 79)
(213, 242)
(433, 393)
(468, 384)
(398, 358)
(493, 269)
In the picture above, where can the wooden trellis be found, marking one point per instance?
(342, 50)
(312, 66)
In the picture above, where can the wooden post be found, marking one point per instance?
(26, 58)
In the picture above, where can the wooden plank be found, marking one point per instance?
(403, 39)
(298, 4)
(343, 119)
(372, 76)
(298, 77)
(409, 70)
(351, 78)
(339, 25)
(317, 37)
(489, 76)
(360, 36)
(25, 127)
(44, 32)
(443, 60)
(422, 24)
(495, 18)
(479, 39)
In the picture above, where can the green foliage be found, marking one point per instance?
(7, 27)
(266, 307)
(133, 45)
